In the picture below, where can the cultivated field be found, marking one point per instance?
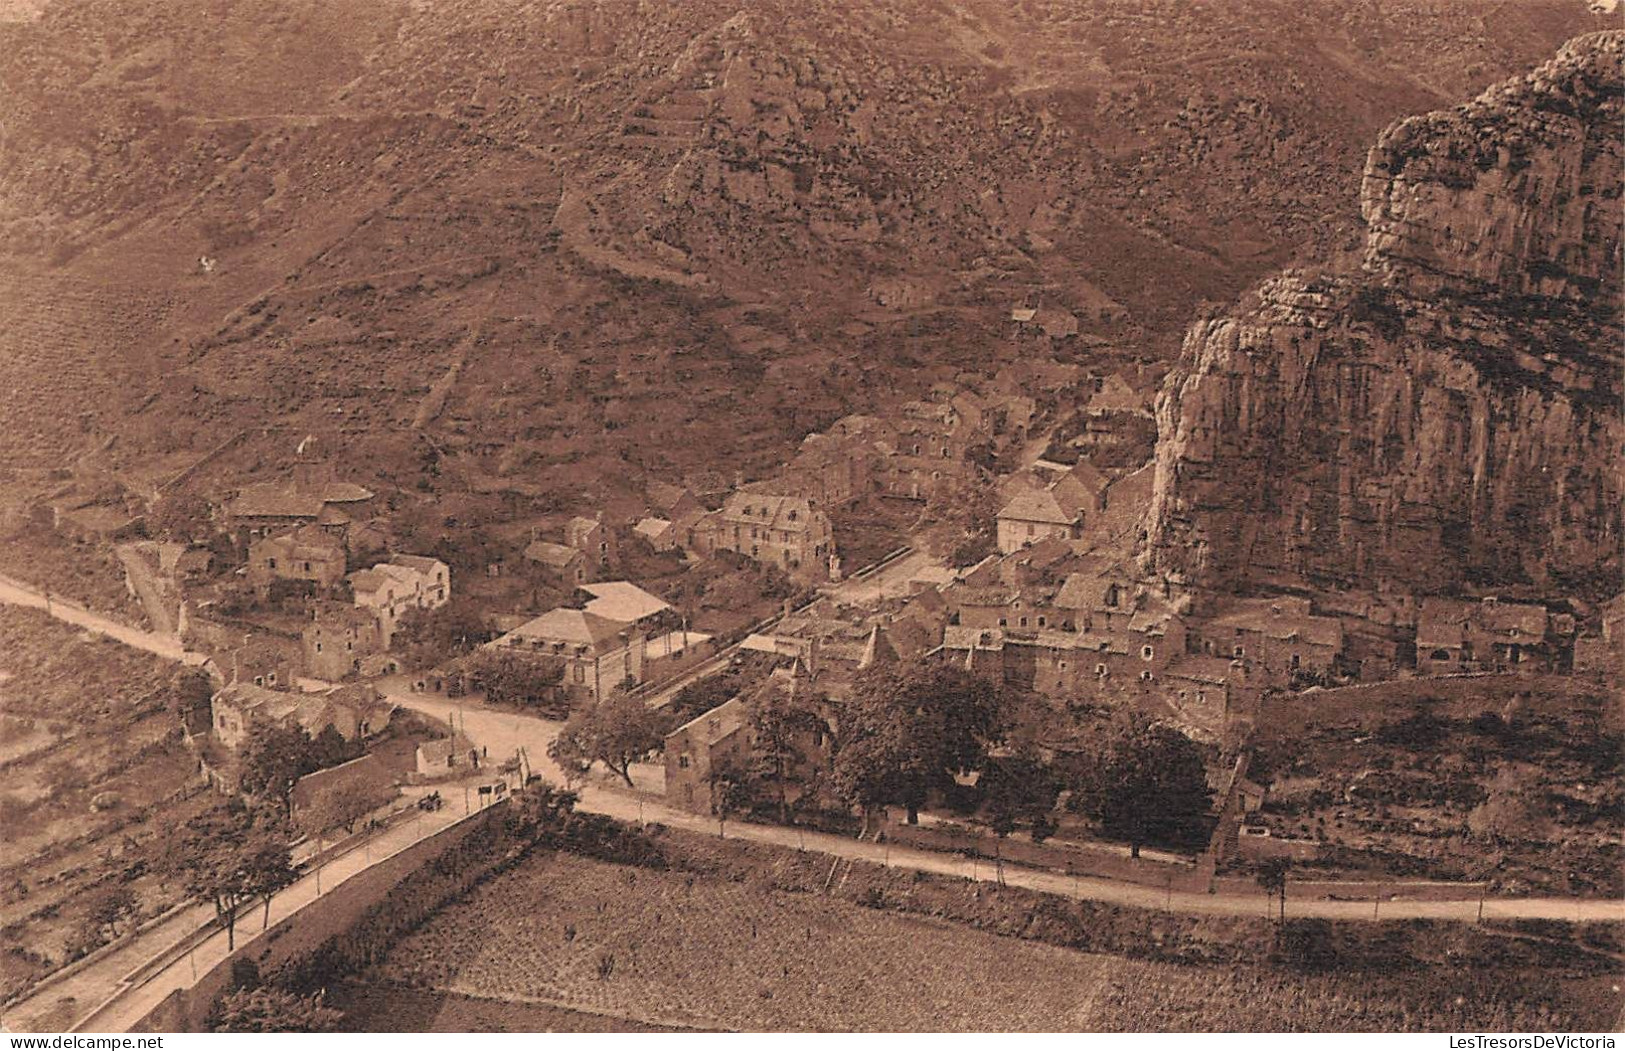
(82, 719)
(1512, 780)
(718, 951)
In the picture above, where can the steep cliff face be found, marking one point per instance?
(1449, 413)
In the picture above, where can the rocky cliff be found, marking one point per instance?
(1446, 413)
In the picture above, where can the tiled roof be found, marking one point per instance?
(622, 601)
(1036, 506)
(556, 555)
(573, 626)
(790, 513)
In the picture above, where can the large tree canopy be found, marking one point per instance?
(906, 731)
(1147, 784)
(617, 731)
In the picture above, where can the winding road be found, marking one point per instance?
(122, 986)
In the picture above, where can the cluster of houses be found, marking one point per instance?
(621, 636)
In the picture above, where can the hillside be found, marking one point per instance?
(626, 239)
(1444, 414)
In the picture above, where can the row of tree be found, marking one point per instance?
(910, 736)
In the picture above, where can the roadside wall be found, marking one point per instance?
(184, 1010)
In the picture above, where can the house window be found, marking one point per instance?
(259, 680)
(581, 673)
(1296, 661)
(1024, 622)
(1041, 622)
(1113, 596)
(271, 562)
(1100, 669)
(682, 762)
(1239, 651)
(318, 647)
(1146, 653)
(1145, 676)
(792, 516)
(307, 567)
(1004, 622)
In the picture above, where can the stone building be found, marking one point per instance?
(785, 531)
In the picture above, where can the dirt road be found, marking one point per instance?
(504, 732)
(17, 593)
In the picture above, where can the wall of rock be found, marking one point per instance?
(1448, 414)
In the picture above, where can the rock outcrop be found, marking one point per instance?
(1448, 414)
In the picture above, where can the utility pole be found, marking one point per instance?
(1483, 889)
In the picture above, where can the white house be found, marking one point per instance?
(403, 583)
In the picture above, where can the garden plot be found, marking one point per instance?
(1514, 781)
(91, 754)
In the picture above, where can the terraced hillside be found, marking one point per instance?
(636, 224)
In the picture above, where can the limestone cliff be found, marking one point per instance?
(1448, 413)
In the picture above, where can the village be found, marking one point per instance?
(722, 650)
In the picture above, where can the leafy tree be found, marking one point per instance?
(781, 720)
(227, 858)
(330, 748)
(522, 680)
(617, 731)
(270, 869)
(267, 1009)
(731, 791)
(273, 760)
(906, 731)
(1272, 877)
(1148, 784)
(426, 638)
(1018, 791)
(108, 909)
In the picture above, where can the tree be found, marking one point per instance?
(1148, 784)
(905, 732)
(227, 858)
(731, 792)
(267, 1009)
(330, 748)
(782, 719)
(270, 868)
(618, 730)
(426, 638)
(1272, 877)
(106, 911)
(1017, 791)
(526, 681)
(273, 760)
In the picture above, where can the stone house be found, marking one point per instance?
(658, 533)
(562, 566)
(723, 737)
(596, 653)
(264, 510)
(339, 639)
(239, 708)
(405, 582)
(700, 746)
(785, 531)
(1460, 635)
(1062, 511)
(1279, 636)
(929, 445)
(596, 541)
(306, 554)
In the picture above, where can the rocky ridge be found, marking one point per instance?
(1447, 414)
